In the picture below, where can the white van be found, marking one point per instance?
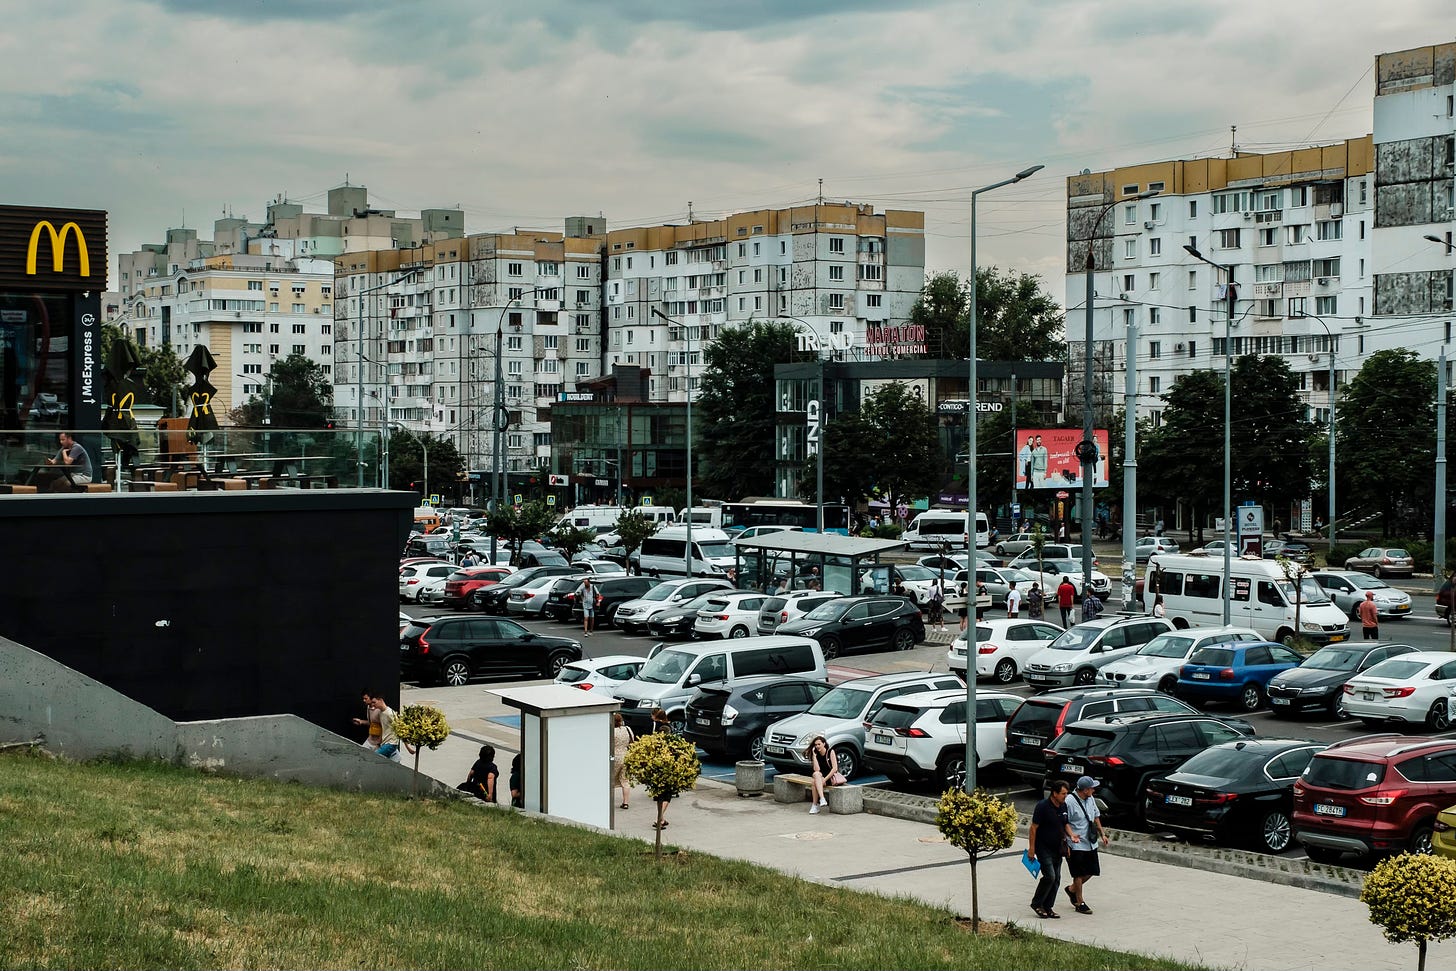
(703, 516)
(598, 518)
(1262, 597)
(936, 528)
(664, 553)
(674, 674)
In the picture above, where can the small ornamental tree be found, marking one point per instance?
(421, 725)
(978, 823)
(1413, 898)
(571, 540)
(665, 764)
(633, 528)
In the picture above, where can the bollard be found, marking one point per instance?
(748, 777)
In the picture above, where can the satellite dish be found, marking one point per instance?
(1086, 171)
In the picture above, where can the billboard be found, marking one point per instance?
(1046, 458)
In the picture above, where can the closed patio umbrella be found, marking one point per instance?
(118, 421)
(201, 418)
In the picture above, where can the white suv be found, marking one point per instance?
(632, 617)
(790, 605)
(1156, 663)
(731, 615)
(923, 736)
(1002, 647)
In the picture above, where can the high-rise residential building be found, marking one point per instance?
(1329, 246)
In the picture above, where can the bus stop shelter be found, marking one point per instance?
(796, 559)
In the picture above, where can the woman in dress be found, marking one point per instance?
(621, 738)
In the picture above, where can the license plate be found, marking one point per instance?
(1178, 800)
(1329, 810)
(1073, 769)
(882, 739)
(1336, 637)
(1030, 740)
(774, 749)
(1201, 675)
(1278, 701)
(1400, 608)
(1369, 695)
(703, 721)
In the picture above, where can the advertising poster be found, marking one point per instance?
(1046, 458)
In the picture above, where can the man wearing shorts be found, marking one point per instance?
(1085, 821)
(588, 607)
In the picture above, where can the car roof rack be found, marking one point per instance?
(1375, 737)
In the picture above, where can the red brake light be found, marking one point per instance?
(1348, 690)
(1385, 559)
(1227, 674)
(1108, 760)
(424, 644)
(987, 649)
(722, 616)
(912, 732)
(1383, 797)
(1397, 692)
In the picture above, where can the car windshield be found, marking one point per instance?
(833, 610)
(666, 668)
(714, 551)
(841, 702)
(1362, 582)
(1221, 763)
(661, 592)
(1309, 591)
(1076, 639)
(917, 573)
(1216, 656)
(1397, 668)
(1167, 645)
(1334, 659)
(699, 602)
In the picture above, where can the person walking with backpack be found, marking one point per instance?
(1066, 596)
(936, 603)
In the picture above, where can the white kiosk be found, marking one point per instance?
(566, 751)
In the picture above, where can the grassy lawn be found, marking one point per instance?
(140, 865)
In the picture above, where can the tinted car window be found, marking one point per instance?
(893, 717)
(1256, 655)
(1334, 773)
(1289, 765)
(1173, 739)
(1037, 716)
(1214, 734)
(1096, 709)
(1218, 656)
(1085, 743)
(787, 694)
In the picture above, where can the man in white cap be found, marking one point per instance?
(1083, 818)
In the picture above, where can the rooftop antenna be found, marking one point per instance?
(1233, 141)
(821, 192)
(690, 210)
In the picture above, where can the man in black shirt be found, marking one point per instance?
(1049, 835)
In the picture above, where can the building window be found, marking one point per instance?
(258, 285)
(513, 368)
(299, 349)
(1330, 229)
(513, 269)
(1192, 208)
(548, 268)
(1192, 281)
(1153, 280)
(1129, 217)
(1296, 233)
(1269, 236)
(871, 271)
(514, 343)
(1193, 315)
(670, 258)
(300, 328)
(1129, 249)
(583, 344)
(873, 300)
(1129, 282)
(1155, 384)
(1192, 348)
(1296, 306)
(552, 341)
(1227, 239)
(1155, 315)
(1155, 211)
(836, 301)
(836, 244)
(1329, 305)
(515, 293)
(1155, 247)
(1155, 350)
(837, 273)
(1327, 268)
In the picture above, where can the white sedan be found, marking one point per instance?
(600, 674)
(733, 614)
(1002, 647)
(1409, 689)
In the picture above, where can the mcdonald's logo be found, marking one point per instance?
(58, 247)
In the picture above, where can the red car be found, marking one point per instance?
(1374, 795)
(459, 584)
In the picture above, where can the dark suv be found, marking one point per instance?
(609, 594)
(1123, 752)
(733, 722)
(1374, 795)
(1042, 718)
(848, 624)
(452, 650)
(492, 599)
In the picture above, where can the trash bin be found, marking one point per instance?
(748, 777)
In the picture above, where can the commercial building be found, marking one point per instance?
(1327, 245)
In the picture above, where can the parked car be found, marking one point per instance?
(1295, 550)
(1240, 793)
(676, 623)
(840, 716)
(752, 531)
(790, 605)
(404, 621)
(1077, 654)
(1235, 672)
(1383, 561)
(1346, 588)
(1041, 719)
(1125, 752)
(460, 583)
(431, 590)
(997, 581)
(437, 545)
(1015, 544)
(733, 722)
(953, 562)
(453, 650)
(1406, 690)
(1026, 559)
(610, 593)
(1215, 548)
(493, 599)
(1443, 841)
(600, 674)
(923, 736)
(1148, 546)
(1052, 572)
(1319, 683)
(849, 624)
(1156, 663)
(600, 567)
(1374, 795)
(1003, 647)
(633, 616)
(416, 560)
(412, 578)
(530, 600)
(731, 614)
(916, 581)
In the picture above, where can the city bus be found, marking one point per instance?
(785, 512)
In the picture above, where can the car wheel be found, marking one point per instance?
(1439, 717)
(755, 747)
(847, 760)
(678, 722)
(1285, 636)
(1085, 676)
(456, 672)
(904, 640)
(953, 772)
(1337, 710)
(1323, 854)
(738, 632)
(1420, 840)
(1168, 685)
(555, 663)
(1005, 671)
(1251, 697)
(831, 648)
(1001, 551)
(1275, 832)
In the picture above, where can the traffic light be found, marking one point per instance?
(329, 425)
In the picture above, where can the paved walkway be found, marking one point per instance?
(1152, 908)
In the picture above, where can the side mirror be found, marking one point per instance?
(694, 679)
(528, 636)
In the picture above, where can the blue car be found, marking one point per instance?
(1239, 673)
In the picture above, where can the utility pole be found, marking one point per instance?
(1439, 573)
(1129, 473)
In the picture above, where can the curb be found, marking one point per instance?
(1344, 881)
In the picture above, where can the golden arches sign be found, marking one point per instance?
(58, 247)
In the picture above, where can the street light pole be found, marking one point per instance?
(500, 418)
(359, 364)
(971, 545)
(688, 337)
(1330, 339)
(1230, 292)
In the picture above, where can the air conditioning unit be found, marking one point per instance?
(1150, 225)
(1336, 210)
(1179, 348)
(1324, 281)
(1249, 214)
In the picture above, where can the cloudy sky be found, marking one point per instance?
(166, 111)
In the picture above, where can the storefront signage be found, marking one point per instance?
(575, 396)
(52, 249)
(809, 341)
(813, 422)
(957, 406)
(895, 340)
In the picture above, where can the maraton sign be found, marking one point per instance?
(52, 249)
(895, 339)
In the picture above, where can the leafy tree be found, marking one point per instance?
(300, 394)
(406, 460)
(735, 409)
(1385, 432)
(848, 438)
(666, 765)
(1412, 897)
(570, 539)
(421, 726)
(1181, 459)
(1270, 436)
(978, 823)
(633, 528)
(908, 462)
(1019, 320)
(515, 524)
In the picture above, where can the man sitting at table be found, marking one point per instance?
(78, 464)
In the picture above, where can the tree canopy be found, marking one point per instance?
(299, 396)
(1385, 437)
(734, 415)
(160, 370)
(406, 461)
(1018, 319)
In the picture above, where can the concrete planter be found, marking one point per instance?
(748, 777)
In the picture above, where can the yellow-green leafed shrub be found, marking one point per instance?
(663, 763)
(978, 823)
(422, 725)
(1412, 898)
